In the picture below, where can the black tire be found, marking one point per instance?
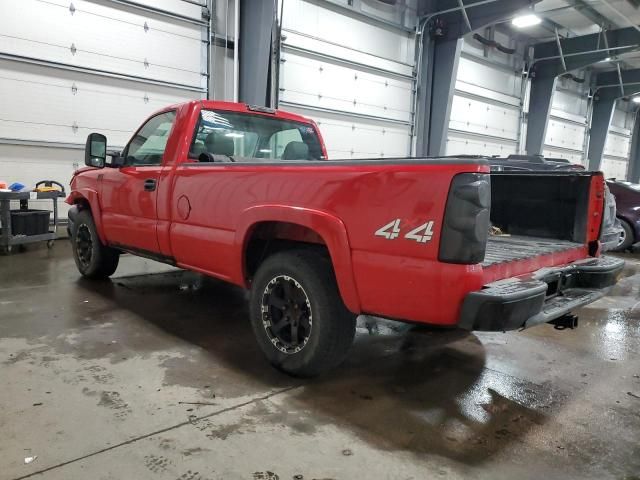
(627, 237)
(93, 259)
(325, 328)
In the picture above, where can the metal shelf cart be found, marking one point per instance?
(7, 239)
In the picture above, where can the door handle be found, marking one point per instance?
(150, 184)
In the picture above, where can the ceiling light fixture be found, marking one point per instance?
(525, 21)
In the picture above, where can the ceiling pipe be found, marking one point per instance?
(464, 14)
(586, 52)
(564, 64)
(620, 79)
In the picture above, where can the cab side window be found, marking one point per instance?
(148, 145)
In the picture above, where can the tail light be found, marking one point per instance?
(465, 229)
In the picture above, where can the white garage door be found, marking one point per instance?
(567, 124)
(360, 95)
(68, 68)
(615, 161)
(485, 113)
(617, 149)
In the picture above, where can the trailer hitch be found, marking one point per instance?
(569, 321)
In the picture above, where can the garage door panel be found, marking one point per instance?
(353, 137)
(46, 104)
(335, 26)
(614, 168)
(353, 74)
(103, 39)
(566, 135)
(617, 145)
(303, 42)
(483, 118)
(459, 143)
(321, 83)
(488, 76)
(573, 156)
(192, 9)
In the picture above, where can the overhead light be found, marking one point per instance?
(528, 20)
(636, 99)
(234, 135)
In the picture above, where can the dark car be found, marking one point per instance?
(628, 211)
(612, 232)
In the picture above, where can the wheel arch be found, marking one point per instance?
(88, 199)
(301, 226)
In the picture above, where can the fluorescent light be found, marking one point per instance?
(636, 99)
(234, 135)
(265, 150)
(528, 20)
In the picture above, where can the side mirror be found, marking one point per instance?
(95, 151)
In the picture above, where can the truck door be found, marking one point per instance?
(129, 194)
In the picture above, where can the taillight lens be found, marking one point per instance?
(465, 229)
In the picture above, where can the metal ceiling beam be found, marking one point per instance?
(610, 79)
(478, 13)
(439, 58)
(540, 101)
(583, 51)
(556, 57)
(603, 109)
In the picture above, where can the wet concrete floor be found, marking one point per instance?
(155, 374)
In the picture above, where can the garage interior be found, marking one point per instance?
(155, 373)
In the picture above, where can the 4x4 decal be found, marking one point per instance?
(392, 230)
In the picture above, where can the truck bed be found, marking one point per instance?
(509, 248)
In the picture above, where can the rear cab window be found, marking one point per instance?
(253, 136)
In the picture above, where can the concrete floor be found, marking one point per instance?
(156, 375)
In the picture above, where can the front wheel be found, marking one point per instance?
(297, 314)
(93, 259)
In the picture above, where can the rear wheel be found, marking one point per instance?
(297, 314)
(626, 237)
(93, 259)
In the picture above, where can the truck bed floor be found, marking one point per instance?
(501, 249)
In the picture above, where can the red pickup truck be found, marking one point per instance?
(247, 195)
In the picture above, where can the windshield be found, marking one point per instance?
(255, 136)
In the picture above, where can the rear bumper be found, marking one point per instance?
(541, 297)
